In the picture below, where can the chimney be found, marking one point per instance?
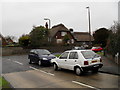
(71, 30)
(46, 25)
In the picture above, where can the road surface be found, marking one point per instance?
(21, 74)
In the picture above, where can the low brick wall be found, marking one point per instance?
(19, 50)
(14, 50)
(55, 49)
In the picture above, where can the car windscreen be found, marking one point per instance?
(89, 54)
(43, 52)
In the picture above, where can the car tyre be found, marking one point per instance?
(55, 67)
(30, 61)
(78, 71)
(39, 63)
(95, 70)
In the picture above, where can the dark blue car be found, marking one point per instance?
(40, 56)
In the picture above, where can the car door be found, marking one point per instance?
(36, 56)
(62, 59)
(31, 55)
(72, 60)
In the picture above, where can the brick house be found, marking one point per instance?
(57, 34)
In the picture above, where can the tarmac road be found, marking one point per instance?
(20, 74)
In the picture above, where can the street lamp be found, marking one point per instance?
(89, 25)
(49, 21)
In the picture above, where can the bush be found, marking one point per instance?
(24, 40)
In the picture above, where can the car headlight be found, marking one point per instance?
(45, 59)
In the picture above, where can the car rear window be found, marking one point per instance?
(89, 54)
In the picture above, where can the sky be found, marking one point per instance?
(18, 17)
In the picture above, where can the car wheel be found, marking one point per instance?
(78, 71)
(95, 70)
(30, 61)
(55, 67)
(39, 63)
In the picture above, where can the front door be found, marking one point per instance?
(72, 60)
(63, 59)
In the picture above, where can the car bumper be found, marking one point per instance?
(46, 62)
(87, 68)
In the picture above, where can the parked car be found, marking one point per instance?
(40, 56)
(78, 48)
(96, 49)
(78, 60)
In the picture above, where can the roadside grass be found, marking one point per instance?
(4, 83)
(57, 55)
(100, 53)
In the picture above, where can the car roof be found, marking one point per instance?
(78, 50)
(37, 49)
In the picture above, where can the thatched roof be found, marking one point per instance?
(55, 29)
(82, 36)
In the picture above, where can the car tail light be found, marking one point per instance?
(100, 60)
(85, 62)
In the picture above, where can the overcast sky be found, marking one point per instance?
(19, 17)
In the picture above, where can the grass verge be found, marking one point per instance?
(100, 53)
(4, 83)
(57, 55)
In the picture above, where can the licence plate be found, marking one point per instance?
(94, 61)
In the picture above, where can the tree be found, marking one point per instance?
(114, 39)
(24, 40)
(66, 39)
(38, 36)
(101, 36)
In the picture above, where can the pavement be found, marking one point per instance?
(109, 66)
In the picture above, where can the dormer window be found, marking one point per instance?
(63, 33)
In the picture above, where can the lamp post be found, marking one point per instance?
(89, 25)
(49, 21)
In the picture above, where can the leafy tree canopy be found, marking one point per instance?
(24, 40)
(38, 36)
(114, 40)
(101, 35)
(66, 38)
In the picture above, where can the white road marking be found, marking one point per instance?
(41, 71)
(18, 62)
(51, 74)
(85, 85)
(34, 68)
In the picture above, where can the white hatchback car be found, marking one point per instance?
(78, 61)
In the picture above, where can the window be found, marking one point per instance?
(63, 33)
(43, 52)
(59, 41)
(73, 55)
(72, 41)
(89, 54)
(32, 52)
(64, 55)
